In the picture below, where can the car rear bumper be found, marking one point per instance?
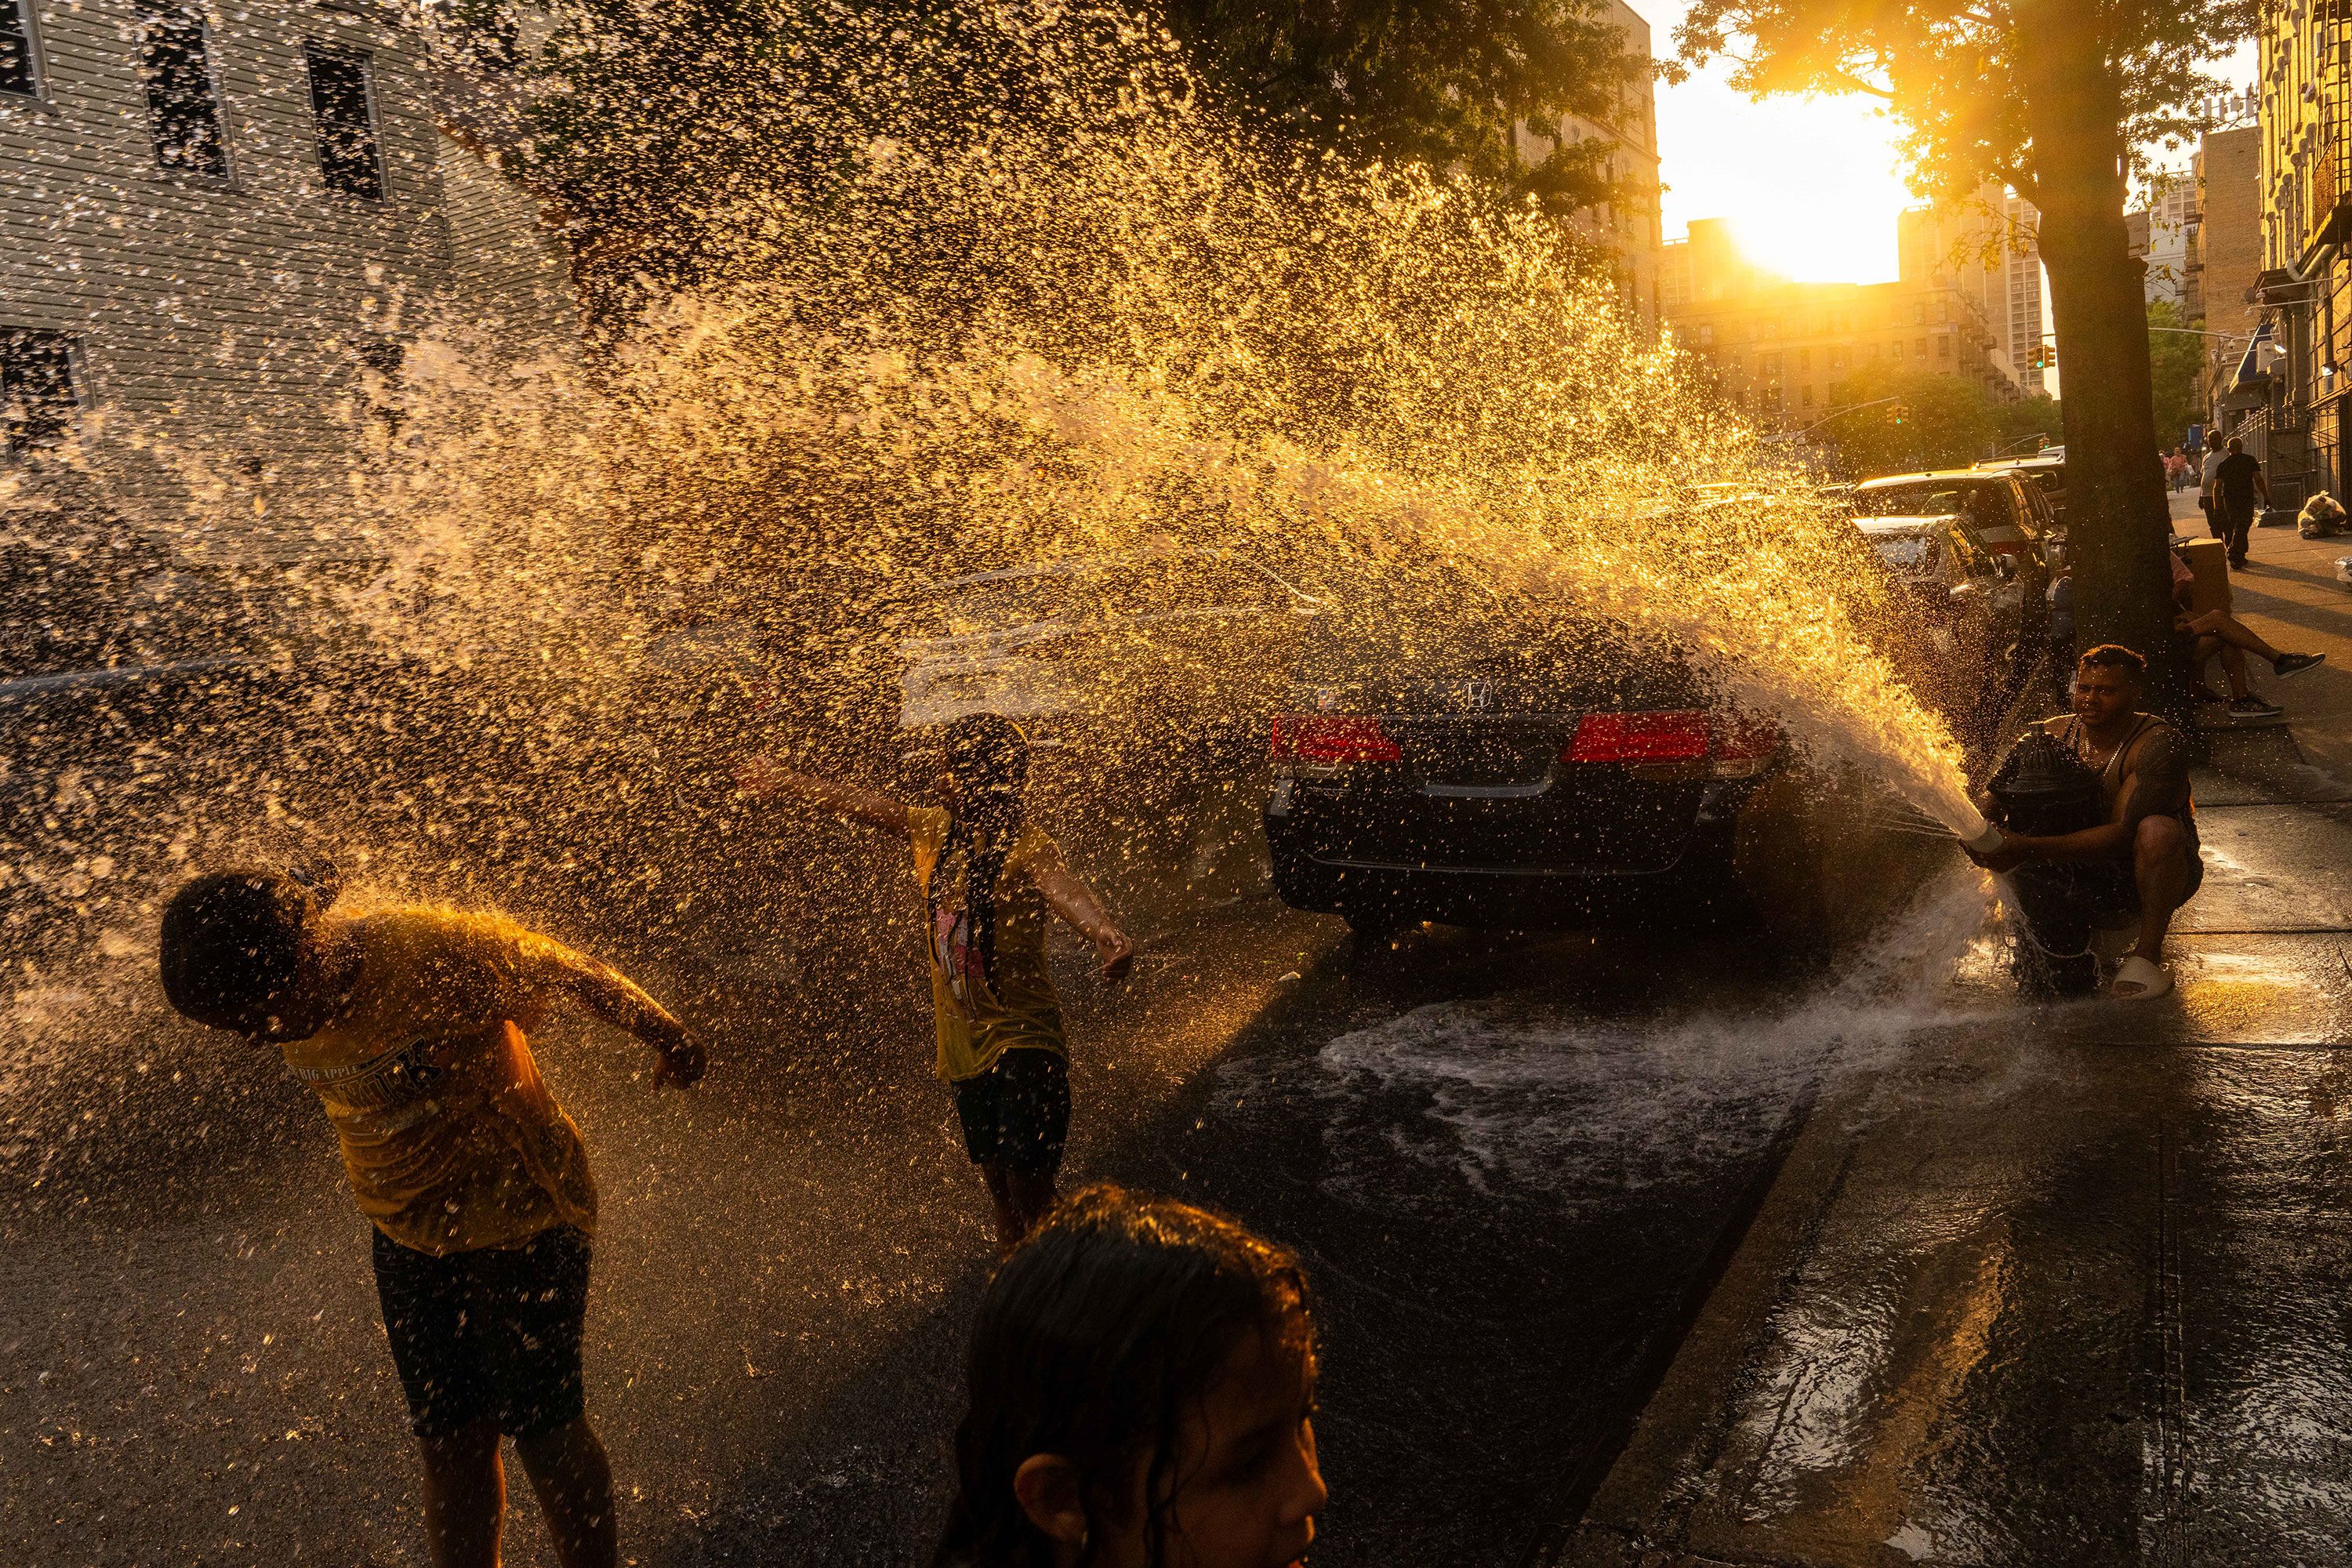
(1700, 882)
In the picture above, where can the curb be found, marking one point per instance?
(1663, 1484)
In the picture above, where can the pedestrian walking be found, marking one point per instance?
(1140, 1391)
(987, 877)
(2236, 482)
(409, 1025)
(2205, 499)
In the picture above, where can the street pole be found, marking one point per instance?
(1840, 413)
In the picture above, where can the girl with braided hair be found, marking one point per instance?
(988, 878)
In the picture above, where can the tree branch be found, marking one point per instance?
(1858, 84)
(2023, 184)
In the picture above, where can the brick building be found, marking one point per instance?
(2225, 255)
(2289, 402)
(1986, 245)
(214, 221)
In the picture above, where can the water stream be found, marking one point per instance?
(1120, 325)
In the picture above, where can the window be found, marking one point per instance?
(343, 108)
(1807, 397)
(16, 48)
(1919, 349)
(1943, 345)
(1707, 334)
(1918, 312)
(1837, 359)
(183, 108)
(37, 389)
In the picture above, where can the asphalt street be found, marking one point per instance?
(1513, 1166)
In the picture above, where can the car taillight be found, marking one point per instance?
(1329, 738)
(1674, 744)
(1744, 747)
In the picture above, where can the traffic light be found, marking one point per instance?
(1900, 413)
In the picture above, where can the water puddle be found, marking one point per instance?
(1522, 1094)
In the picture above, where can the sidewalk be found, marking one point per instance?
(2290, 595)
(2065, 1284)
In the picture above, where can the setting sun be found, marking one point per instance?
(1810, 185)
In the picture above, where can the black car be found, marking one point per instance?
(1506, 768)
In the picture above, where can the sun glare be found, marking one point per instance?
(1812, 245)
(1809, 183)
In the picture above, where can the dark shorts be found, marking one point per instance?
(2112, 887)
(1017, 1114)
(492, 1334)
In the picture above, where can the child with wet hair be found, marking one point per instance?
(987, 875)
(409, 1025)
(1141, 1387)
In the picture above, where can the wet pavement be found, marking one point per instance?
(1513, 1166)
(1732, 1261)
(2072, 1290)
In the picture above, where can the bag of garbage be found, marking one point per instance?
(2344, 570)
(2321, 517)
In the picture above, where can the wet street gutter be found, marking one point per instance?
(1597, 1449)
(2069, 1291)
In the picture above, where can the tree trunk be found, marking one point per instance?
(2118, 515)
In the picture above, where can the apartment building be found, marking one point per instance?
(2160, 234)
(2286, 396)
(1629, 230)
(215, 221)
(2226, 256)
(1986, 247)
(1793, 354)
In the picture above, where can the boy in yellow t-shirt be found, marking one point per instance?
(409, 1026)
(988, 877)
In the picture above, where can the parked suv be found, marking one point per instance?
(2008, 512)
(2046, 471)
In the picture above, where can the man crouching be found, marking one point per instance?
(2143, 860)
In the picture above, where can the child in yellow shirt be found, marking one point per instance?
(410, 1025)
(988, 877)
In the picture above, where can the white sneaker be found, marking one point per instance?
(2139, 981)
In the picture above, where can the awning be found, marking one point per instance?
(2249, 367)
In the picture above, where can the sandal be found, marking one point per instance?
(2137, 980)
